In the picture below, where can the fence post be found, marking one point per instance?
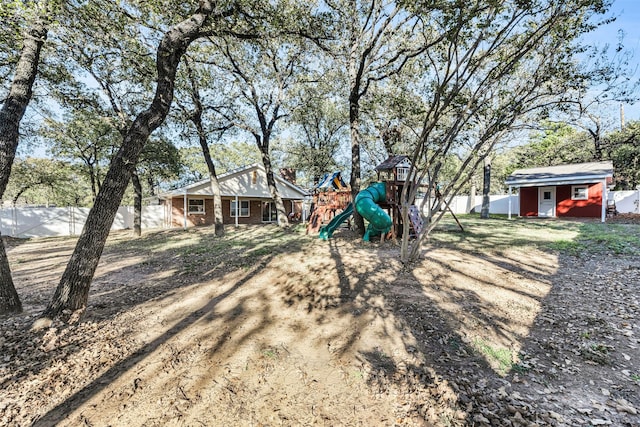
(72, 220)
(14, 221)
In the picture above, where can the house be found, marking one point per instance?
(575, 190)
(245, 199)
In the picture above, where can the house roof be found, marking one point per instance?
(239, 182)
(391, 162)
(577, 173)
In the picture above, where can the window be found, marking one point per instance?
(546, 195)
(402, 173)
(195, 206)
(579, 192)
(244, 208)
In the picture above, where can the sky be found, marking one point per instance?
(627, 21)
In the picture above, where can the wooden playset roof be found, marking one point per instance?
(391, 162)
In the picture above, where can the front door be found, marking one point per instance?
(547, 201)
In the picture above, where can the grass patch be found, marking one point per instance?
(497, 234)
(270, 353)
(599, 238)
(499, 358)
(198, 249)
(567, 247)
(620, 239)
(565, 236)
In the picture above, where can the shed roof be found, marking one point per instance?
(577, 173)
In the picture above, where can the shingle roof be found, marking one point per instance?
(230, 188)
(561, 174)
(390, 163)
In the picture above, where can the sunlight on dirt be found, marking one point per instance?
(486, 301)
(272, 327)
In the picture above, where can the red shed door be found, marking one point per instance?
(547, 201)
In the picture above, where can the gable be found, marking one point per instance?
(404, 164)
(247, 182)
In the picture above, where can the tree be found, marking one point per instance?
(392, 115)
(73, 289)
(624, 149)
(557, 144)
(610, 71)
(87, 137)
(498, 66)
(195, 113)
(320, 128)
(107, 79)
(39, 181)
(11, 113)
(264, 72)
(374, 40)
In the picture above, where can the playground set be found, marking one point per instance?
(379, 203)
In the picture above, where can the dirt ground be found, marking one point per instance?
(271, 328)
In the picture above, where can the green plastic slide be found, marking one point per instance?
(367, 205)
(327, 230)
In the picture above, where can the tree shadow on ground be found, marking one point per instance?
(435, 363)
(477, 366)
(196, 260)
(461, 338)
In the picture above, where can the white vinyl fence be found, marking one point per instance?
(499, 204)
(47, 222)
(626, 202)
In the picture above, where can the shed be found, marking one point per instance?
(245, 199)
(573, 190)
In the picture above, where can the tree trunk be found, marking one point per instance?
(73, 290)
(215, 185)
(9, 300)
(597, 140)
(10, 116)
(92, 180)
(151, 184)
(283, 220)
(354, 182)
(137, 204)
(486, 189)
(196, 118)
(404, 243)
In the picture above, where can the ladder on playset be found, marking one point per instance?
(416, 220)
